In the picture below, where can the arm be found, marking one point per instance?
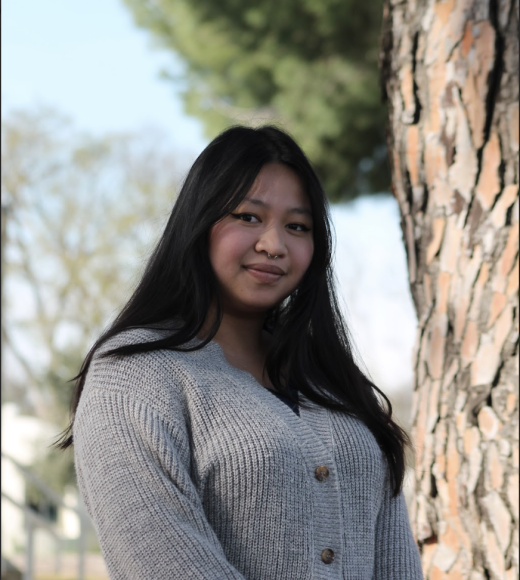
(397, 555)
(133, 472)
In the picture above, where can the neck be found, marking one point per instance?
(244, 343)
(243, 336)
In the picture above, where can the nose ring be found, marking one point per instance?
(269, 256)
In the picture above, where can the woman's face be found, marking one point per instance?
(274, 218)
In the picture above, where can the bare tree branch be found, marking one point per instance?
(31, 373)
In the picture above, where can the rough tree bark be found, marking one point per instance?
(450, 76)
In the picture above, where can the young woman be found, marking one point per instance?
(222, 429)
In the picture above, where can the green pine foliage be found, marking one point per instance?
(309, 66)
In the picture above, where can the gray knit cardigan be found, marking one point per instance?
(190, 469)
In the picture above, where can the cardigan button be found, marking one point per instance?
(327, 556)
(321, 472)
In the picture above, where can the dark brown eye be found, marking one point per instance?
(245, 217)
(298, 227)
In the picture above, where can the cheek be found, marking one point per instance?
(225, 248)
(218, 248)
(302, 258)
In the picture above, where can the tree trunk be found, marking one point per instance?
(450, 76)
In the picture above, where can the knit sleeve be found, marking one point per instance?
(397, 555)
(132, 467)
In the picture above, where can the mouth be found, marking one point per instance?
(265, 272)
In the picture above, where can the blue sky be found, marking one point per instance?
(88, 60)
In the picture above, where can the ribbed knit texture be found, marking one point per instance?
(191, 469)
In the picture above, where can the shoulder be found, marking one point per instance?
(157, 378)
(136, 336)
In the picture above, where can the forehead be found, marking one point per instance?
(278, 184)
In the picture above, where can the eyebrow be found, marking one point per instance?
(298, 210)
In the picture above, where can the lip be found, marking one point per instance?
(269, 268)
(265, 273)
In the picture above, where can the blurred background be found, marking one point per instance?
(105, 105)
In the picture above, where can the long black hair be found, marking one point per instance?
(311, 343)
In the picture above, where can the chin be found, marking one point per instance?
(255, 307)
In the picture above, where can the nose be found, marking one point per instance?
(271, 242)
